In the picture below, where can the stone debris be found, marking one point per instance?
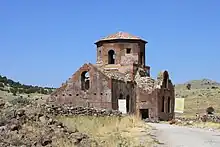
(36, 125)
(78, 110)
(144, 82)
(151, 120)
(203, 118)
(191, 121)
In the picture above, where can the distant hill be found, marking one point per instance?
(199, 84)
(199, 95)
(15, 87)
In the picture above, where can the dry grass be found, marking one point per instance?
(127, 131)
(207, 125)
(197, 100)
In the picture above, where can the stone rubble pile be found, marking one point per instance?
(78, 110)
(202, 118)
(151, 120)
(24, 128)
(36, 125)
(144, 82)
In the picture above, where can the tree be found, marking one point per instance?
(14, 91)
(21, 90)
(188, 86)
(210, 110)
(1, 85)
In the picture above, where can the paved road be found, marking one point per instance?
(178, 136)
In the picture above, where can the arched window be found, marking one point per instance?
(111, 57)
(165, 79)
(85, 80)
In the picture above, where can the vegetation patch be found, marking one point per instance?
(127, 131)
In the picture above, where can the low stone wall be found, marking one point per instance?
(203, 118)
(78, 110)
(32, 126)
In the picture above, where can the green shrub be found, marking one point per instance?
(210, 110)
(20, 100)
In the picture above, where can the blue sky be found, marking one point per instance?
(44, 42)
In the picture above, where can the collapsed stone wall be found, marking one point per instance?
(143, 81)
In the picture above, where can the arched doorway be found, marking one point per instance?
(111, 57)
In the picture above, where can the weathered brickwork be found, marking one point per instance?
(120, 73)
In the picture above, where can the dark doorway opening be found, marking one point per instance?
(144, 113)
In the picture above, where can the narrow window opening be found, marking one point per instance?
(101, 93)
(63, 94)
(162, 104)
(94, 93)
(128, 50)
(111, 57)
(85, 80)
(77, 94)
(165, 79)
(70, 94)
(128, 103)
(169, 104)
(141, 58)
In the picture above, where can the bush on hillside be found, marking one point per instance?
(21, 88)
(210, 110)
(1, 85)
(20, 100)
(188, 86)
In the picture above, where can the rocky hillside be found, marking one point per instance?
(199, 95)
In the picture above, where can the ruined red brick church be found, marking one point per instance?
(119, 80)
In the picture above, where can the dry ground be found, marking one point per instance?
(203, 94)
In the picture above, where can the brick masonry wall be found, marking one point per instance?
(98, 95)
(120, 50)
(124, 89)
(166, 92)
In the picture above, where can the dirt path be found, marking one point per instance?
(178, 136)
